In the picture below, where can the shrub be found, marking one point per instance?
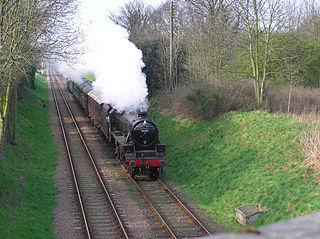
(208, 102)
(195, 99)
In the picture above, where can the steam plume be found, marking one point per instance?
(116, 64)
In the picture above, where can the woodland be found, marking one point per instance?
(233, 54)
(223, 54)
(31, 32)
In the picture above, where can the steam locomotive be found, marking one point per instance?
(133, 136)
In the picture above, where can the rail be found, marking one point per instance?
(116, 215)
(84, 217)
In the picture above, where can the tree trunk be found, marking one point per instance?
(289, 96)
(171, 47)
(5, 99)
(2, 129)
(8, 126)
(14, 139)
(5, 93)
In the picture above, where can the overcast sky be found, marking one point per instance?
(97, 10)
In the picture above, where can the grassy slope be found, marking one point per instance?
(90, 77)
(27, 189)
(242, 157)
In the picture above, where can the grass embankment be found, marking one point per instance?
(240, 158)
(27, 189)
(91, 77)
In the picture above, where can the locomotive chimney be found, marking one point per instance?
(142, 114)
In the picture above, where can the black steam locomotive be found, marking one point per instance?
(133, 136)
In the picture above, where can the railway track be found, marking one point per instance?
(174, 217)
(99, 215)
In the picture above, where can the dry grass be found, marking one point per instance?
(311, 143)
(238, 94)
(174, 102)
(303, 100)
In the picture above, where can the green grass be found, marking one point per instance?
(27, 189)
(240, 158)
(91, 77)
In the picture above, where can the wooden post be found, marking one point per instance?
(171, 45)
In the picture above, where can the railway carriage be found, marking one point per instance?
(84, 97)
(94, 108)
(106, 129)
(80, 91)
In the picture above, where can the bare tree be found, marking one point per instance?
(134, 17)
(31, 30)
(260, 19)
(294, 14)
(310, 23)
(212, 31)
(146, 24)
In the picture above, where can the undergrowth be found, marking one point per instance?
(239, 158)
(211, 98)
(27, 189)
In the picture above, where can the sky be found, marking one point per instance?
(97, 10)
(115, 61)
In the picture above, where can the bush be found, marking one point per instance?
(208, 102)
(201, 100)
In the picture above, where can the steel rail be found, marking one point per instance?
(184, 208)
(151, 206)
(70, 160)
(157, 214)
(94, 165)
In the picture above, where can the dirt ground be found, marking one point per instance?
(66, 222)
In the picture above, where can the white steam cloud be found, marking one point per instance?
(117, 65)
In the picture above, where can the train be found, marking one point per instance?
(133, 136)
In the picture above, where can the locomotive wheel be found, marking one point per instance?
(131, 172)
(155, 172)
(123, 159)
(118, 154)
